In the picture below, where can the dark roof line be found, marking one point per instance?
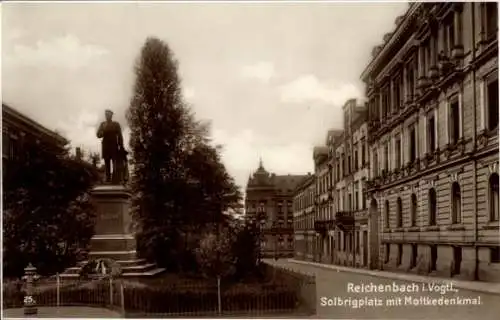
(32, 123)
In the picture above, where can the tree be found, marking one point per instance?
(158, 120)
(214, 254)
(179, 183)
(46, 193)
(246, 248)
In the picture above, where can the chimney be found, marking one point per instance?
(78, 154)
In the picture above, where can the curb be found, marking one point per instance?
(484, 287)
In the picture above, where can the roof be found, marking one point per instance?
(306, 182)
(320, 151)
(288, 182)
(390, 39)
(9, 113)
(333, 135)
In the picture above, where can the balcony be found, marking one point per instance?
(320, 226)
(345, 220)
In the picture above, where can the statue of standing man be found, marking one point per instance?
(113, 151)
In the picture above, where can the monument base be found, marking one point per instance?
(114, 235)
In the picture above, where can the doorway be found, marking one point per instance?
(365, 248)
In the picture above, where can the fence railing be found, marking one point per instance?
(285, 293)
(303, 285)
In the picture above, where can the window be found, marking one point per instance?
(357, 242)
(345, 242)
(432, 207)
(410, 74)
(456, 203)
(495, 255)
(349, 164)
(493, 197)
(385, 101)
(449, 35)
(434, 255)
(399, 213)
(457, 260)
(454, 118)
(414, 256)
(400, 254)
(364, 200)
(356, 158)
(491, 23)
(356, 196)
(5, 144)
(397, 93)
(431, 133)
(397, 152)
(386, 157)
(339, 240)
(375, 163)
(387, 214)
(413, 212)
(363, 153)
(492, 104)
(426, 57)
(413, 144)
(387, 252)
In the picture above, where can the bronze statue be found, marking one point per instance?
(113, 151)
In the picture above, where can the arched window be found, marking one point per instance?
(493, 197)
(413, 211)
(399, 212)
(456, 203)
(387, 214)
(432, 207)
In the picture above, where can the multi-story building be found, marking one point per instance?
(349, 160)
(268, 199)
(342, 229)
(432, 91)
(341, 169)
(323, 205)
(303, 218)
(19, 130)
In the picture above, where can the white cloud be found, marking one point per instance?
(263, 71)
(14, 33)
(308, 88)
(242, 151)
(189, 93)
(65, 52)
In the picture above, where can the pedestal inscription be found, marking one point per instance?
(113, 237)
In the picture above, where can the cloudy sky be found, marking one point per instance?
(271, 77)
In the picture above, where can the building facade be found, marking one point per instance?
(341, 170)
(349, 159)
(19, 130)
(303, 218)
(340, 219)
(432, 91)
(269, 200)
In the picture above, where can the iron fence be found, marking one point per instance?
(285, 293)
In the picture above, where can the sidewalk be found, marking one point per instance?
(485, 287)
(63, 312)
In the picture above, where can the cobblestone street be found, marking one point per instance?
(331, 284)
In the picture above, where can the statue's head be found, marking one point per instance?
(108, 114)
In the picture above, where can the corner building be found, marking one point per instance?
(341, 168)
(268, 200)
(432, 91)
(303, 218)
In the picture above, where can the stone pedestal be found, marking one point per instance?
(114, 236)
